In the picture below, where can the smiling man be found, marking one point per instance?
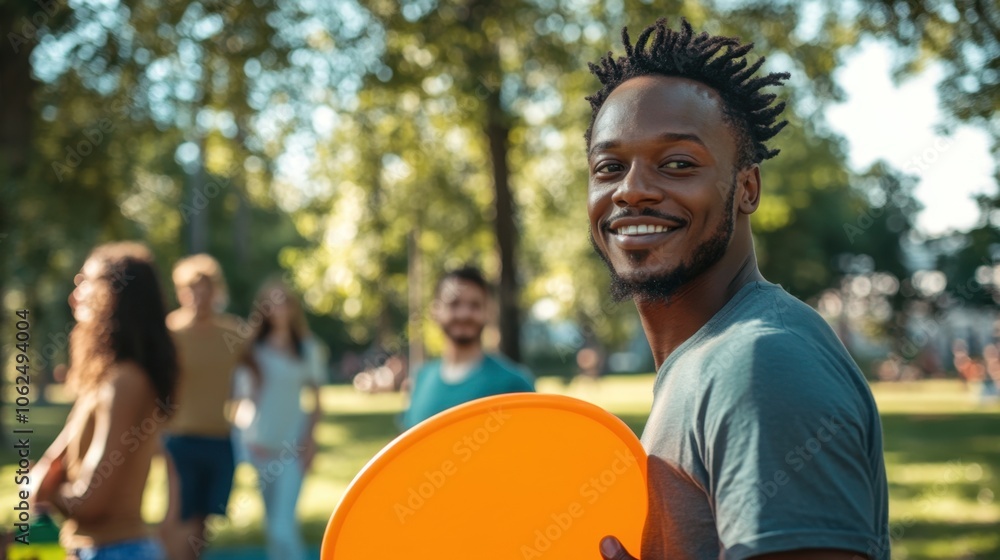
(763, 440)
(464, 372)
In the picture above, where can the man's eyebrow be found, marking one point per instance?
(606, 145)
(665, 137)
(682, 137)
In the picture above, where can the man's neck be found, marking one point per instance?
(668, 323)
(202, 315)
(461, 354)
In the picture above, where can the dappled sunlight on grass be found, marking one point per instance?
(947, 541)
(154, 499)
(947, 506)
(930, 473)
(929, 397)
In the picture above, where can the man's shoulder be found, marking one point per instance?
(430, 365)
(425, 380)
(179, 319)
(506, 365)
(182, 319)
(775, 323)
(508, 375)
(228, 322)
(788, 352)
(430, 368)
(769, 304)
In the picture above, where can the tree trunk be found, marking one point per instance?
(199, 203)
(15, 140)
(241, 230)
(414, 276)
(497, 132)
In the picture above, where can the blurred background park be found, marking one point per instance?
(361, 147)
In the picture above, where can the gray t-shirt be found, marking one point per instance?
(763, 437)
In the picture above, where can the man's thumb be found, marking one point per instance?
(612, 549)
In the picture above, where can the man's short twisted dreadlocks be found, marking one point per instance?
(686, 55)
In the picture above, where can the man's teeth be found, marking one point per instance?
(641, 230)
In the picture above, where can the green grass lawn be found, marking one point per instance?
(942, 453)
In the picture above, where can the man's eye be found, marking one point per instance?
(610, 168)
(678, 165)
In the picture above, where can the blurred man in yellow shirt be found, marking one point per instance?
(199, 444)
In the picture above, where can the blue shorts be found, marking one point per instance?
(205, 467)
(142, 549)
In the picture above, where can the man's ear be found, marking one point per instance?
(436, 310)
(748, 189)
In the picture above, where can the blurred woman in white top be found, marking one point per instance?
(282, 359)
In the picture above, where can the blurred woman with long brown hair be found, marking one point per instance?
(282, 359)
(123, 368)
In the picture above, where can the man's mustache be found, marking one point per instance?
(635, 213)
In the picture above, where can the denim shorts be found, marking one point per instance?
(205, 468)
(141, 549)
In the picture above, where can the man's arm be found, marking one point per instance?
(790, 444)
(612, 549)
(123, 402)
(50, 471)
(818, 554)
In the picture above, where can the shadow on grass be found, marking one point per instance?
(943, 438)
(250, 538)
(946, 541)
(634, 421)
(365, 427)
(45, 421)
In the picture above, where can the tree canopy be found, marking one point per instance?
(342, 143)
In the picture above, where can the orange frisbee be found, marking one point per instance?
(515, 476)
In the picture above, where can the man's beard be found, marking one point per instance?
(461, 340)
(662, 286)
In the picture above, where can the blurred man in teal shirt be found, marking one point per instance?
(464, 372)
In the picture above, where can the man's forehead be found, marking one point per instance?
(656, 105)
(199, 281)
(453, 288)
(92, 267)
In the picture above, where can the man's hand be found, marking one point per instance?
(612, 549)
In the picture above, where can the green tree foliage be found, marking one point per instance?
(415, 150)
(964, 37)
(970, 262)
(159, 121)
(319, 137)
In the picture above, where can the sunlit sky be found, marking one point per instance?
(896, 123)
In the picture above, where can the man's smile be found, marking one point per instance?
(641, 232)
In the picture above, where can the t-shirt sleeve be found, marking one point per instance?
(787, 453)
(515, 377)
(418, 380)
(522, 381)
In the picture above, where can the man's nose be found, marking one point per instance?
(638, 188)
